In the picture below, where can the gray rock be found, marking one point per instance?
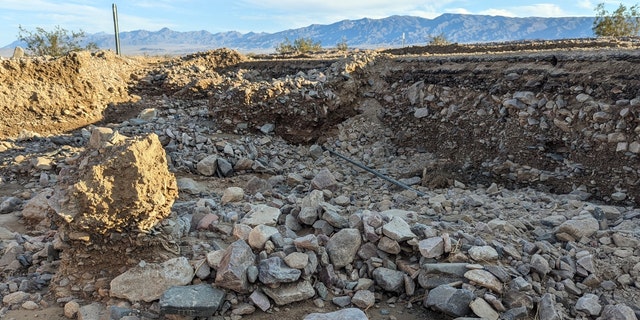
(225, 168)
(201, 300)
(273, 270)
(342, 301)
(483, 310)
(389, 245)
(290, 292)
(589, 303)
(364, 299)
(579, 228)
(256, 185)
(261, 214)
(389, 280)
(431, 247)
(449, 300)
(483, 253)
(208, 165)
(189, 185)
(148, 282)
(547, 309)
(267, 128)
(344, 314)
(259, 235)
(333, 217)
(309, 242)
(10, 204)
(540, 265)
(398, 229)
(458, 269)
(343, 246)
(232, 194)
(618, 312)
(485, 279)
(260, 300)
(92, 311)
(324, 180)
(308, 215)
(297, 260)
(315, 151)
(232, 272)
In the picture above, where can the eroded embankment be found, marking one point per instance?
(562, 121)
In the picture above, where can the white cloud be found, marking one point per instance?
(498, 12)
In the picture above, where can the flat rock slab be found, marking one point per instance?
(344, 314)
(148, 282)
(289, 293)
(200, 300)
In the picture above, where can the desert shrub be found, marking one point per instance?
(438, 40)
(622, 22)
(342, 45)
(55, 43)
(300, 45)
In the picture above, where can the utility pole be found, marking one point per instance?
(115, 27)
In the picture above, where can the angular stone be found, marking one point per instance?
(431, 247)
(260, 300)
(208, 165)
(148, 282)
(17, 297)
(37, 208)
(485, 279)
(260, 234)
(232, 272)
(297, 260)
(261, 214)
(364, 299)
(71, 309)
(201, 300)
(547, 309)
(341, 301)
(483, 253)
(389, 280)
(91, 311)
(483, 310)
(398, 229)
(589, 303)
(309, 242)
(232, 194)
(449, 300)
(11, 204)
(343, 246)
(389, 245)
(290, 292)
(324, 179)
(619, 311)
(273, 270)
(308, 215)
(579, 228)
(344, 314)
(540, 265)
(225, 168)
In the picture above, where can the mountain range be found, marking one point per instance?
(394, 31)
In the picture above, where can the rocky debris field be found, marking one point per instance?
(217, 186)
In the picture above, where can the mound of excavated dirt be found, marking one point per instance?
(119, 184)
(54, 95)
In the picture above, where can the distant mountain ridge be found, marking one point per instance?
(361, 33)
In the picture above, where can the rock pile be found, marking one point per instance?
(261, 224)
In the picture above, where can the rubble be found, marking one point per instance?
(284, 224)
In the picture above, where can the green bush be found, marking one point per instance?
(342, 45)
(622, 22)
(55, 43)
(439, 40)
(300, 45)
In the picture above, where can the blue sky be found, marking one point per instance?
(256, 15)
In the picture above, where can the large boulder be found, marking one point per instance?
(120, 184)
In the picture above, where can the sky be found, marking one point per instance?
(93, 16)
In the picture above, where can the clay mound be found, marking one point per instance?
(53, 95)
(120, 184)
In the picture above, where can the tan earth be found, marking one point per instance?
(455, 111)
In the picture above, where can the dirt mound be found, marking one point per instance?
(53, 95)
(119, 184)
